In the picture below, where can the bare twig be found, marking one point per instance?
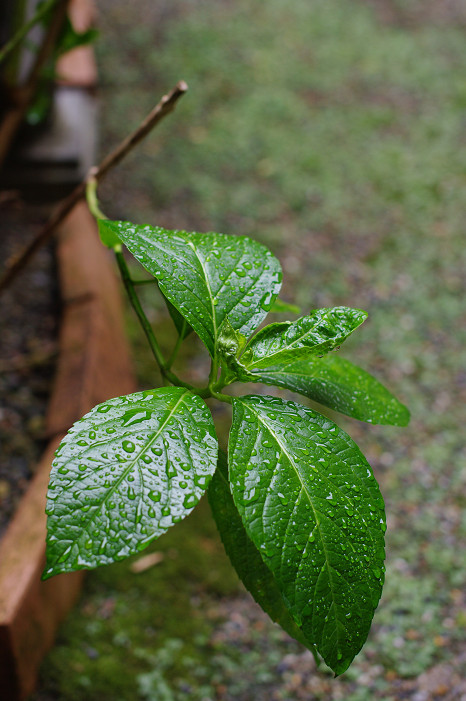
(164, 107)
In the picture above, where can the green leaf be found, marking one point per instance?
(229, 345)
(340, 385)
(244, 556)
(124, 474)
(279, 307)
(319, 332)
(310, 503)
(71, 39)
(207, 276)
(107, 235)
(230, 342)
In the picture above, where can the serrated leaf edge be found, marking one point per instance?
(49, 572)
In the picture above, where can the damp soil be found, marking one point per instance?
(29, 313)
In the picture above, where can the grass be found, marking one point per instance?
(338, 141)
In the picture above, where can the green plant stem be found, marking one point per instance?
(164, 107)
(129, 284)
(220, 396)
(213, 375)
(174, 354)
(91, 199)
(143, 320)
(24, 30)
(225, 379)
(143, 282)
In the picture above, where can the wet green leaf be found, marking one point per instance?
(319, 332)
(310, 503)
(70, 39)
(244, 556)
(340, 385)
(207, 276)
(124, 474)
(108, 236)
(280, 306)
(230, 342)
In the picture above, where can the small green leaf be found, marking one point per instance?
(230, 342)
(251, 569)
(124, 474)
(340, 385)
(207, 276)
(280, 307)
(70, 39)
(310, 503)
(319, 332)
(229, 345)
(107, 235)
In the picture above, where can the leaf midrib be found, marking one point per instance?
(212, 305)
(300, 339)
(126, 471)
(182, 263)
(287, 455)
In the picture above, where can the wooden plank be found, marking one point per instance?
(94, 365)
(94, 362)
(30, 609)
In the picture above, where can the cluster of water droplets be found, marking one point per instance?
(323, 515)
(130, 469)
(320, 331)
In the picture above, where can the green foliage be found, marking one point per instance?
(207, 276)
(70, 39)
(309, 502)
(316, 334)
(340, 385)
(125, 473)
(245, 557)
(298, 508)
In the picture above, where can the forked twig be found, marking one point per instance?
(164, 107)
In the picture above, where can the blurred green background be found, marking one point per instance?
(335, 133)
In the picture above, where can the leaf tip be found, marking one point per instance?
(47, 573)
(108, 233)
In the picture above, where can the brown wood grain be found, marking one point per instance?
(94, 365)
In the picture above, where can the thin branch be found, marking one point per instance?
(136, 304)
(24, 30)
(175, 350)
(24, 94)
(164, 107)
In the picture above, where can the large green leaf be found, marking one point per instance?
(319, 332)
(207, 276)
(244, 556)
(340, 385)
(124, 474)
(310, 503)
